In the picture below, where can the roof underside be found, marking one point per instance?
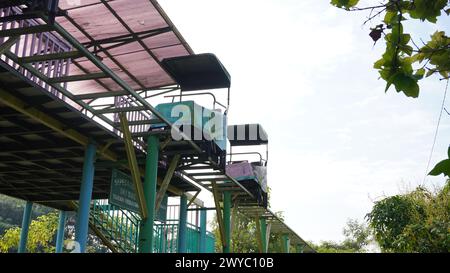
(198, 72)
(130, 37)
(41, 165)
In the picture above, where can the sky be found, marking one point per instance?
(303, 69)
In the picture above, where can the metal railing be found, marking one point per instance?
(36, 44)
(121, 227)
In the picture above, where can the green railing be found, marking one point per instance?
(121, 228)
(166, 238)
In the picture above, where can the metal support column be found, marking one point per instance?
(60, 234)
(263, 226)
(286, 243)
(227, 220)
(299, 248)
(162, 237)
(203, 223)
(26, 220)
(84, 203)
(182, 225)
(150, 180)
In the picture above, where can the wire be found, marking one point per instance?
(436, 132)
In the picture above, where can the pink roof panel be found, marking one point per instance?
(131, 37)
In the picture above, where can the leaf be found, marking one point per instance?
(442, 167)
(375, 34)
(378, 64)
(390, 17)
(347, 4)
(407, 84)
(420, 73)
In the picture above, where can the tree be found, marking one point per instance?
(418, 221)
(396, 64)
(357, 237)
(404, 62)
(40, 236)
(244, 235)
(11, 211)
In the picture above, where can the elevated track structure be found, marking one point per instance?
(86, 92)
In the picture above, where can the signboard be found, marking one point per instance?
(122, 192)
(123, 195)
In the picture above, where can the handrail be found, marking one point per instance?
(201, 93)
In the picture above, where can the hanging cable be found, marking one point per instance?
(436, 132)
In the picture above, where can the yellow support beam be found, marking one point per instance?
(219, 214)
(35, 114)
(165, 183)
(192, 200)
(134, 167)
(22, 107)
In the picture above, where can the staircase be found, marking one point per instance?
(117, 228)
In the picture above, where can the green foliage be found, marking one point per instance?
(244, 235)
(357, 237)
(347, 4)
(415, 222)
(442, 167)
(404, 64)
(40, 236)
(11, 211)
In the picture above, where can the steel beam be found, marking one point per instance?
(26, 220)
(219, 214)
(91, 57)
(151, 174)
(25, 30)
(299, 248)
(193, 199)
(182, 226)
(8, 44)
(60, 234)
(99, 95)
(84, 202)
(286, 243)
(263, 226)
(258, 235)
(50, 122)
(120, 110)
(167, 178)
(227, 220)
(50, 57)
(76, 78)
(134, 167)
(203, 223)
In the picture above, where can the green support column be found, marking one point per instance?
(299, 248)
(182, 225)
(84, 202)
(150, 180)
(203, 223)
(263, 225)
(286, 243)
(227, 220)
(26, 220)
(60, 234)
(162, 237)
